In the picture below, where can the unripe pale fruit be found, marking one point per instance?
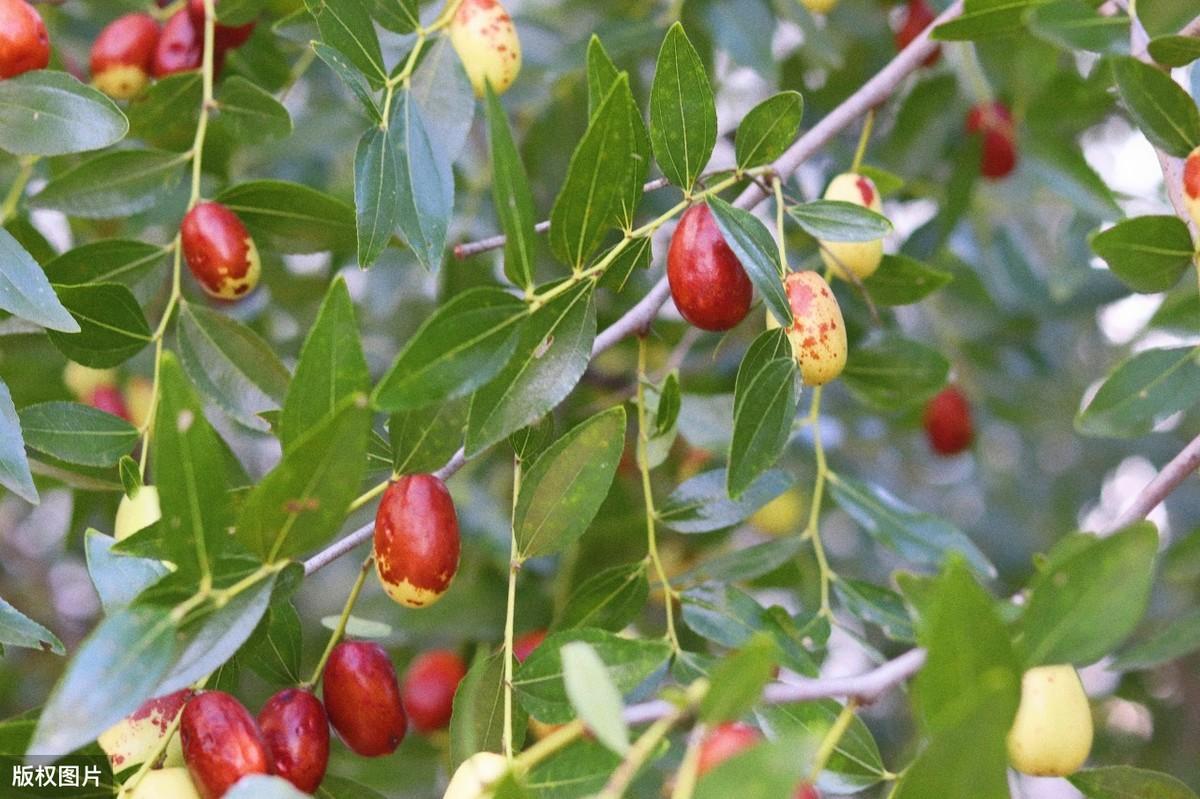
(1052, 733)
(483, 35)
(860, 257)
(818, 332)
(416, 540)
(916, 18)
(1191, 185)
(225, 37)
(82, 380)
(994, 122)
(137, 512)
(110, 400)
(820, 6)
(524, 644)
(475, 777)
(363, 698)
(948, 422)
(782, 515)
(24, 45)
(708, 283)
(219, 251)
(429, 686)
(723, 742)
(180, 46)
(296, 731)
(123, 55)
(139, 398)
(133, 740)
(165, 783)
(221, 743)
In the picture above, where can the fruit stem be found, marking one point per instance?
(561, 738)
(514, 567)
(343, 620)
(685, 779)
(643, 459)
(830, 742)
(777, 188)
(812, 530)
(17, 190)
(369, 495)
(642, 749)
(864, 139)
(160, 748)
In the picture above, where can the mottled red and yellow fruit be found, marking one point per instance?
(416, 540)
(165, 783)
(180, 46)
(139, 398)
(476, 776)
(225, 37)
(806, 791)
(137, 512)
(1191, 185)
(362, 698)
(428, 689)
(110, 400)
(82, 380)
(296, 731)
(221, 743)
(994, 122)
(24, 45)
(123, 56)
(818, 332)
(1051, 735)
(135, 739)
(915, 18)
(947, 422)
(486, 41)
(708, 284)
(723, 742)
(524, 644)
(219, 251)
(861, 258)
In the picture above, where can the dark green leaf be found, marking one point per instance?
(876, 605)
(769, 129)
(376, 193)
(17, 629)
(702, 504)
(758, 253)
(165, 115)
(25, 291)
(113, 185)
(77, 433)
(251, 113)
(398, 16)
(608, 600)
(51, 113)
(985, 19)
(107, 261)
(1174, 51)
(512, 196)
(424, 439)
(118, 578)
(14, 466)
(290, 217)
(349, 75)
(1121, 782)
(1171, 641)
(441, 87)
(424, 181)
(346, 25)
(901, 280)
(1075, 25)
(855, 764)
(1141, 391)
(1148, 253)
(891, 373)
(683, 114)
(477, 724)
(273, 653)
(737, 682)
(1158, 105)
(111, 324)
(835, 220)
(762, 422)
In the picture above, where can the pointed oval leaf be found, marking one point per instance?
(77, 433)
(769, 129)
(49, 113)
(683, 113)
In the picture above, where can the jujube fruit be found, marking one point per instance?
(428, 689)
(137, 512)
(708, 283)
(225, 37)
(780, 516)
(1051, 735)
(180, 46)
(139, 398)
(818, 332)
(859, 257)
(807, 791)
(947, 422)
(524, 644)
(24, 45)
(723, 742)
(221, 743)
(123, 56)
(135, 739)
(916, 17)
(110, 400)
(165, 783)
(994, 122)
(486, 41)
(819, 6)
(476, 775)
(1191, 185)
(82, 380)
(362, 698)
(295, 730)
(219, 251)
(416, 540)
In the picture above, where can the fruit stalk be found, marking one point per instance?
(514, 568)
(832, 738)
(812, 529)
(343, 620)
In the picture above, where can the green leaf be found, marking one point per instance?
(892, 374)
(290, 217)
(303, 501)
(835, 220)
(422, 440)
(628, 662)
(702, 504)
(77, 433)
(1120, 782)
(273, 652)
(919, 537)
(602, 75)
(737, 682)
(590, 201)
(1158, 105)
(48, 113)
(855, 763)
(349, 75)
(251, 113)
(512, 196)
(876, 605)
(1141, 391)
(757, 252)
(683, 114)
(331, 367)
(376, 193)
(116, 668)
(107, 261)
(769, 129)
(334, 787)
(165, 115)
(477, 724)
(767, 771)
(25, 291)
(398, 16)
(762, 423)
(230, 364)
(729, 617)
(118, 578)
(113, 185)
(608, 600)
(1086, 604)
(563, 490)
(424, 180)
(1148, 253)
(1174, 51)
(17, 629)
(1075, 25)
(553, 350)
(986, 19)
(441, 87)
(578, 770)
(462, 346)
(1173, 640)
(14, 466)
(746, 563)
(593, 695)
(346, 25)
(112, 328)
(901, 280)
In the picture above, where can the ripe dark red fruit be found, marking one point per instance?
(725, 741)
(24, 44)
(948, 422)
(221, 743)
(110, 400)
(807, 791)
(524, 645)
(180, 47)
(123, 55)
(219, 251)
(225, 37)
(916, 17)
(416, 540)
(995, 123)
(709, 285)
(296, 732)
(362, 698)
(429, 686)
